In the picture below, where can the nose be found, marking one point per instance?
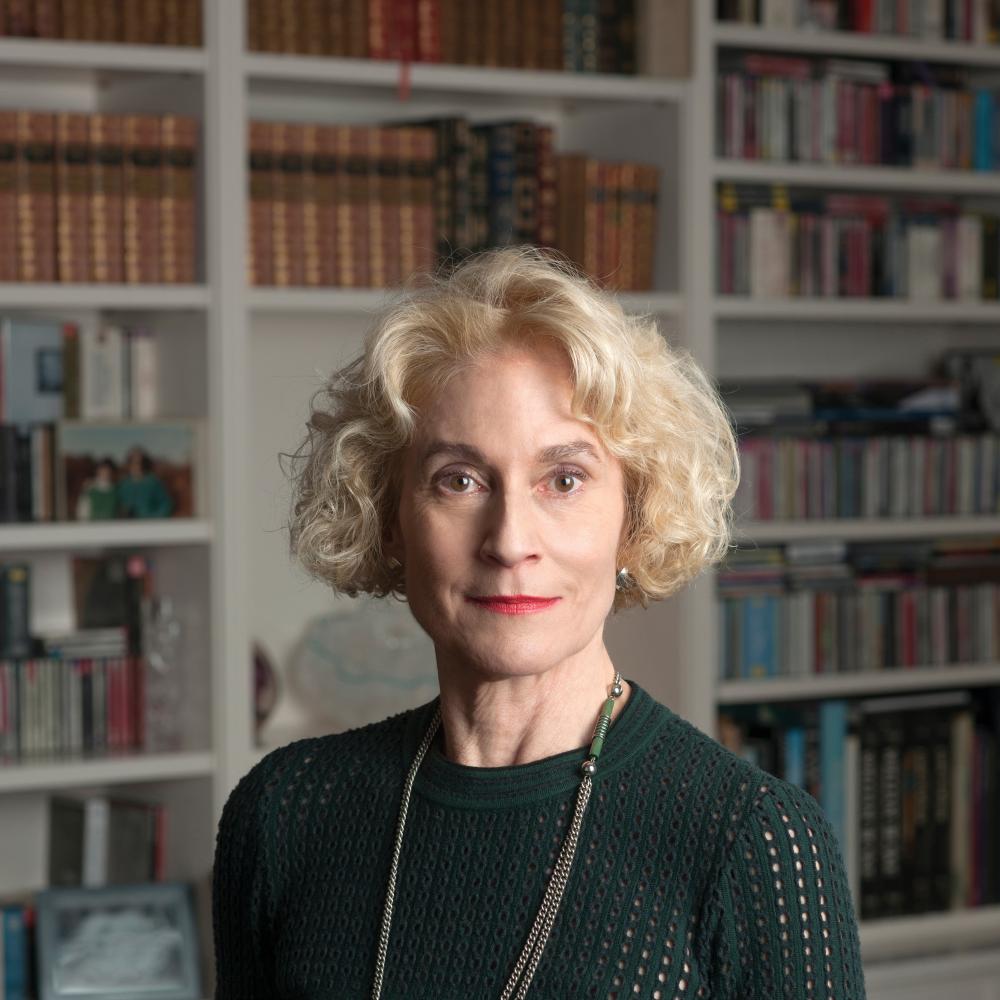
(510, 529)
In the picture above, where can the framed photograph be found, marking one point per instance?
(120, 942)
(111, 469)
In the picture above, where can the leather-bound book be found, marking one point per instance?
(106, 217)
(8, 196)
(429, 29)
(261, 168)
(286, 217)
(142, 193)
(629, 207)
(326, 170)
(72, 196)
(376, 206)
(423, 173)
(36, 209)
(551, 18)
(310, 207)
(179, 135)
(356, 29)
(548, 199)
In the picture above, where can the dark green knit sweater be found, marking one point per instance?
(696, 873)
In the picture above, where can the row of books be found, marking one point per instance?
(956, 20)
(107, 592)
(97, 197)
(79, 690)
(908, 783)
(95, 841)
(364, 206)
(776, 244)
(789, 108)
(865, 624)
(788, 477)
(102, 840)
(585, 36)
(151, 22)
(65, 706)
(827, 606)
(53, 370)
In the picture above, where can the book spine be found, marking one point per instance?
(548, 196)
(72, 197)
(425, 153)
(142, 191)
(178, 231)
(106, 216)
(8, 196)
(36, 209)
(287, 206)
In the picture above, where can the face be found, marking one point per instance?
(505, 493)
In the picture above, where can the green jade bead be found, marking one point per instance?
(601, 730)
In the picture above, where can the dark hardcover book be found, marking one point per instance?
(813, 762)
(15, 609)
(913, 812)
(868, 820)
(940, 810)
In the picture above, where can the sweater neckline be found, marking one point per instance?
(447, 782)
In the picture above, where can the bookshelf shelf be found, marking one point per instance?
(837, 310)
(56, 54)
(876, 178)
(847, 43)
(866, 529)
(105, 771)
(929, 933)
(75, 535)
(468, 83)
(901, 679)
(348, 301)
(98, 296)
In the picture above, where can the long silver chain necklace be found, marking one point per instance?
(537, 939)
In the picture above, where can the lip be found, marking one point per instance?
(513, 604)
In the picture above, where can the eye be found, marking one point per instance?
(456, 482)
(562, 475)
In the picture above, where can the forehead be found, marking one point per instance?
(518, 400)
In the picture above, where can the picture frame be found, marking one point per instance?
(118, 942)
(111, 469)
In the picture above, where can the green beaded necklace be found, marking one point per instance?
(533, 947)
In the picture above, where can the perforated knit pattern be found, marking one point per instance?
(696, 873)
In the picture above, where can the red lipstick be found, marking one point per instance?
(513, 604)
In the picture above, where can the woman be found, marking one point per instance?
(516, 458)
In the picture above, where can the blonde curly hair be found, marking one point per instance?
(650, 404)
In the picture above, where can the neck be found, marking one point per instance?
(517, 720)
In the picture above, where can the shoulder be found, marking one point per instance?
(730, 800)
(320, 763)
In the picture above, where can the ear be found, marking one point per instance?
(392, 538)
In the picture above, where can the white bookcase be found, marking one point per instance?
(247, 359)
(739, 337)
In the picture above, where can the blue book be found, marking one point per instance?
(795, 756)
(760, 614)
(14, 949)
(832, 737)
(982, 147)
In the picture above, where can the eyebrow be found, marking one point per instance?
(468, 452)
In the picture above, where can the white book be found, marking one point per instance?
(778, 14)
(102, 373)
(924, 262)
(97, 817)
(933, 19)
(144, 399)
